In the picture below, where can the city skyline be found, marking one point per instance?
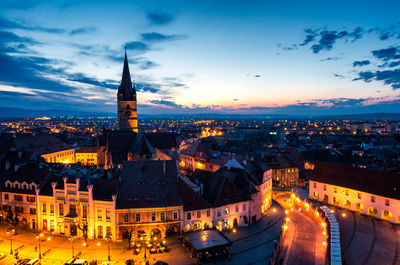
(208, 57)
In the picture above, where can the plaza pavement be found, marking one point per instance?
(254, 244)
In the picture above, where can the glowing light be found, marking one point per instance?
(324, 243)
(285, 227)
(287, 219)
(98, 244)
(274, 210)
(163, 242)
(332, 211)
(323, 224)
(234, 230)
(155, 238)
(286, 211)
(324, 233)
(84, 244)
(344, 214)
(48, 239)
(317, 213)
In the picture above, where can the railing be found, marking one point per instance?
(335, 254)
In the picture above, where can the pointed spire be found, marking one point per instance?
(126, 91)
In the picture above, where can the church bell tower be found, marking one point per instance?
(127, 105)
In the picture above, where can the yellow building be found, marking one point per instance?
(66, 156)
(86, 155)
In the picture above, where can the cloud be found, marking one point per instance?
(147, 87)
(327, 39)
(389, 77)
(136, 46)
(148, 64)
(82, 30)
(387, 54)
(158, 18)
(361, 63)
(158, 37)
(331, 59)
(338, 75)
(257, 76)
(167, 103)
(11, 24)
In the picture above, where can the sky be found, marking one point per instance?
(249, 57)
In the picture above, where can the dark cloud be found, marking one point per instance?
(12, 43)
(361, 63)
(146, 87)
(82, 30)
(158, 18)
(327, 39)
(338, 75)
(331, 59)
(168, 103)
(387, 54)
(158, 37)
(147, 65)
(79, 77)
(389, 77)
(394, 64)
(136, 46)
(10, 24)
(257, 76)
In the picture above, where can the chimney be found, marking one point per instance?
(201, 189)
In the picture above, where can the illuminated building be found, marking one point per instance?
(86, 155)
(127, 105)
(366, 191)
(66, 156)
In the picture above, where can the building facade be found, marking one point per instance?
(86, 156)
(365, 191)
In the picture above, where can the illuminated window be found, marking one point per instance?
(372, 198)
(153, 217)
(208, 213)
(126, 218)
(226, 211)
(359, 195)
(99, 215)
(334, 189)
(61, 209)
(138, 217)
(324, 187)
(315, 185)
(237, 208)
(347, 192)
(162, 216)
(175, 215)
(387, 202)
(108, 215)
(198, 214)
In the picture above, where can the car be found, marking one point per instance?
(22, 262)
(35, 261)
(80, 262)
(3, 255)
(70, 262)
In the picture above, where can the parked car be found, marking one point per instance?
(70, 262)
(22, 262)
(35, 261)
(3, 255)
(80, 262)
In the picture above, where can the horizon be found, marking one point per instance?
(267, 58)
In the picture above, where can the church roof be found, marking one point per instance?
(126, 91)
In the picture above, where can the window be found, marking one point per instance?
(99, 231)
(226, 211)
(61, 209)
(6, 208)
(372, 198)
(219, 213)
(244, 207)
(32, 210)
(51, 209)
(84, 211)
(324, 187)
(175, 214)
(208, 213)
(188, 215)
(198, 214)
(6, 197)
(72, 209)
(126, 218)
(44, 208)
(359, 195)
(99, 215)
(30, 199)
(347, 192)
(153, 217)
(108, 215)
(19, 209)
(237, 208)
(108, 231)
(387, 202)
(162, 216)
(334, 189)
(18, 198)
(138, 217)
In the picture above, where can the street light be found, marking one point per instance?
(11, 232)
(108, 243)
(39, 237)
(72, 238)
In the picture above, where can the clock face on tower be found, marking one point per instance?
(127, 113)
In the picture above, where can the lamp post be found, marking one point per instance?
(11, 232)
(108, 238)
(39, 238)
(72, 238)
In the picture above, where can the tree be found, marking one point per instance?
(129, 234)
(84, 227)
(12, 217)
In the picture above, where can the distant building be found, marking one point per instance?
(86, 155)
(366, 191)
(285, 172)
(199, 156)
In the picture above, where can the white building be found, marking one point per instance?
(365, 191)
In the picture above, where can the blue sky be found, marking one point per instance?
(275, 57)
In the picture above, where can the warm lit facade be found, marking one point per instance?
(86, 156)
(67, 205)
(360, 191)
(285, 176)
(66, 156)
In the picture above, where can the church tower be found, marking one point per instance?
(127, 105)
